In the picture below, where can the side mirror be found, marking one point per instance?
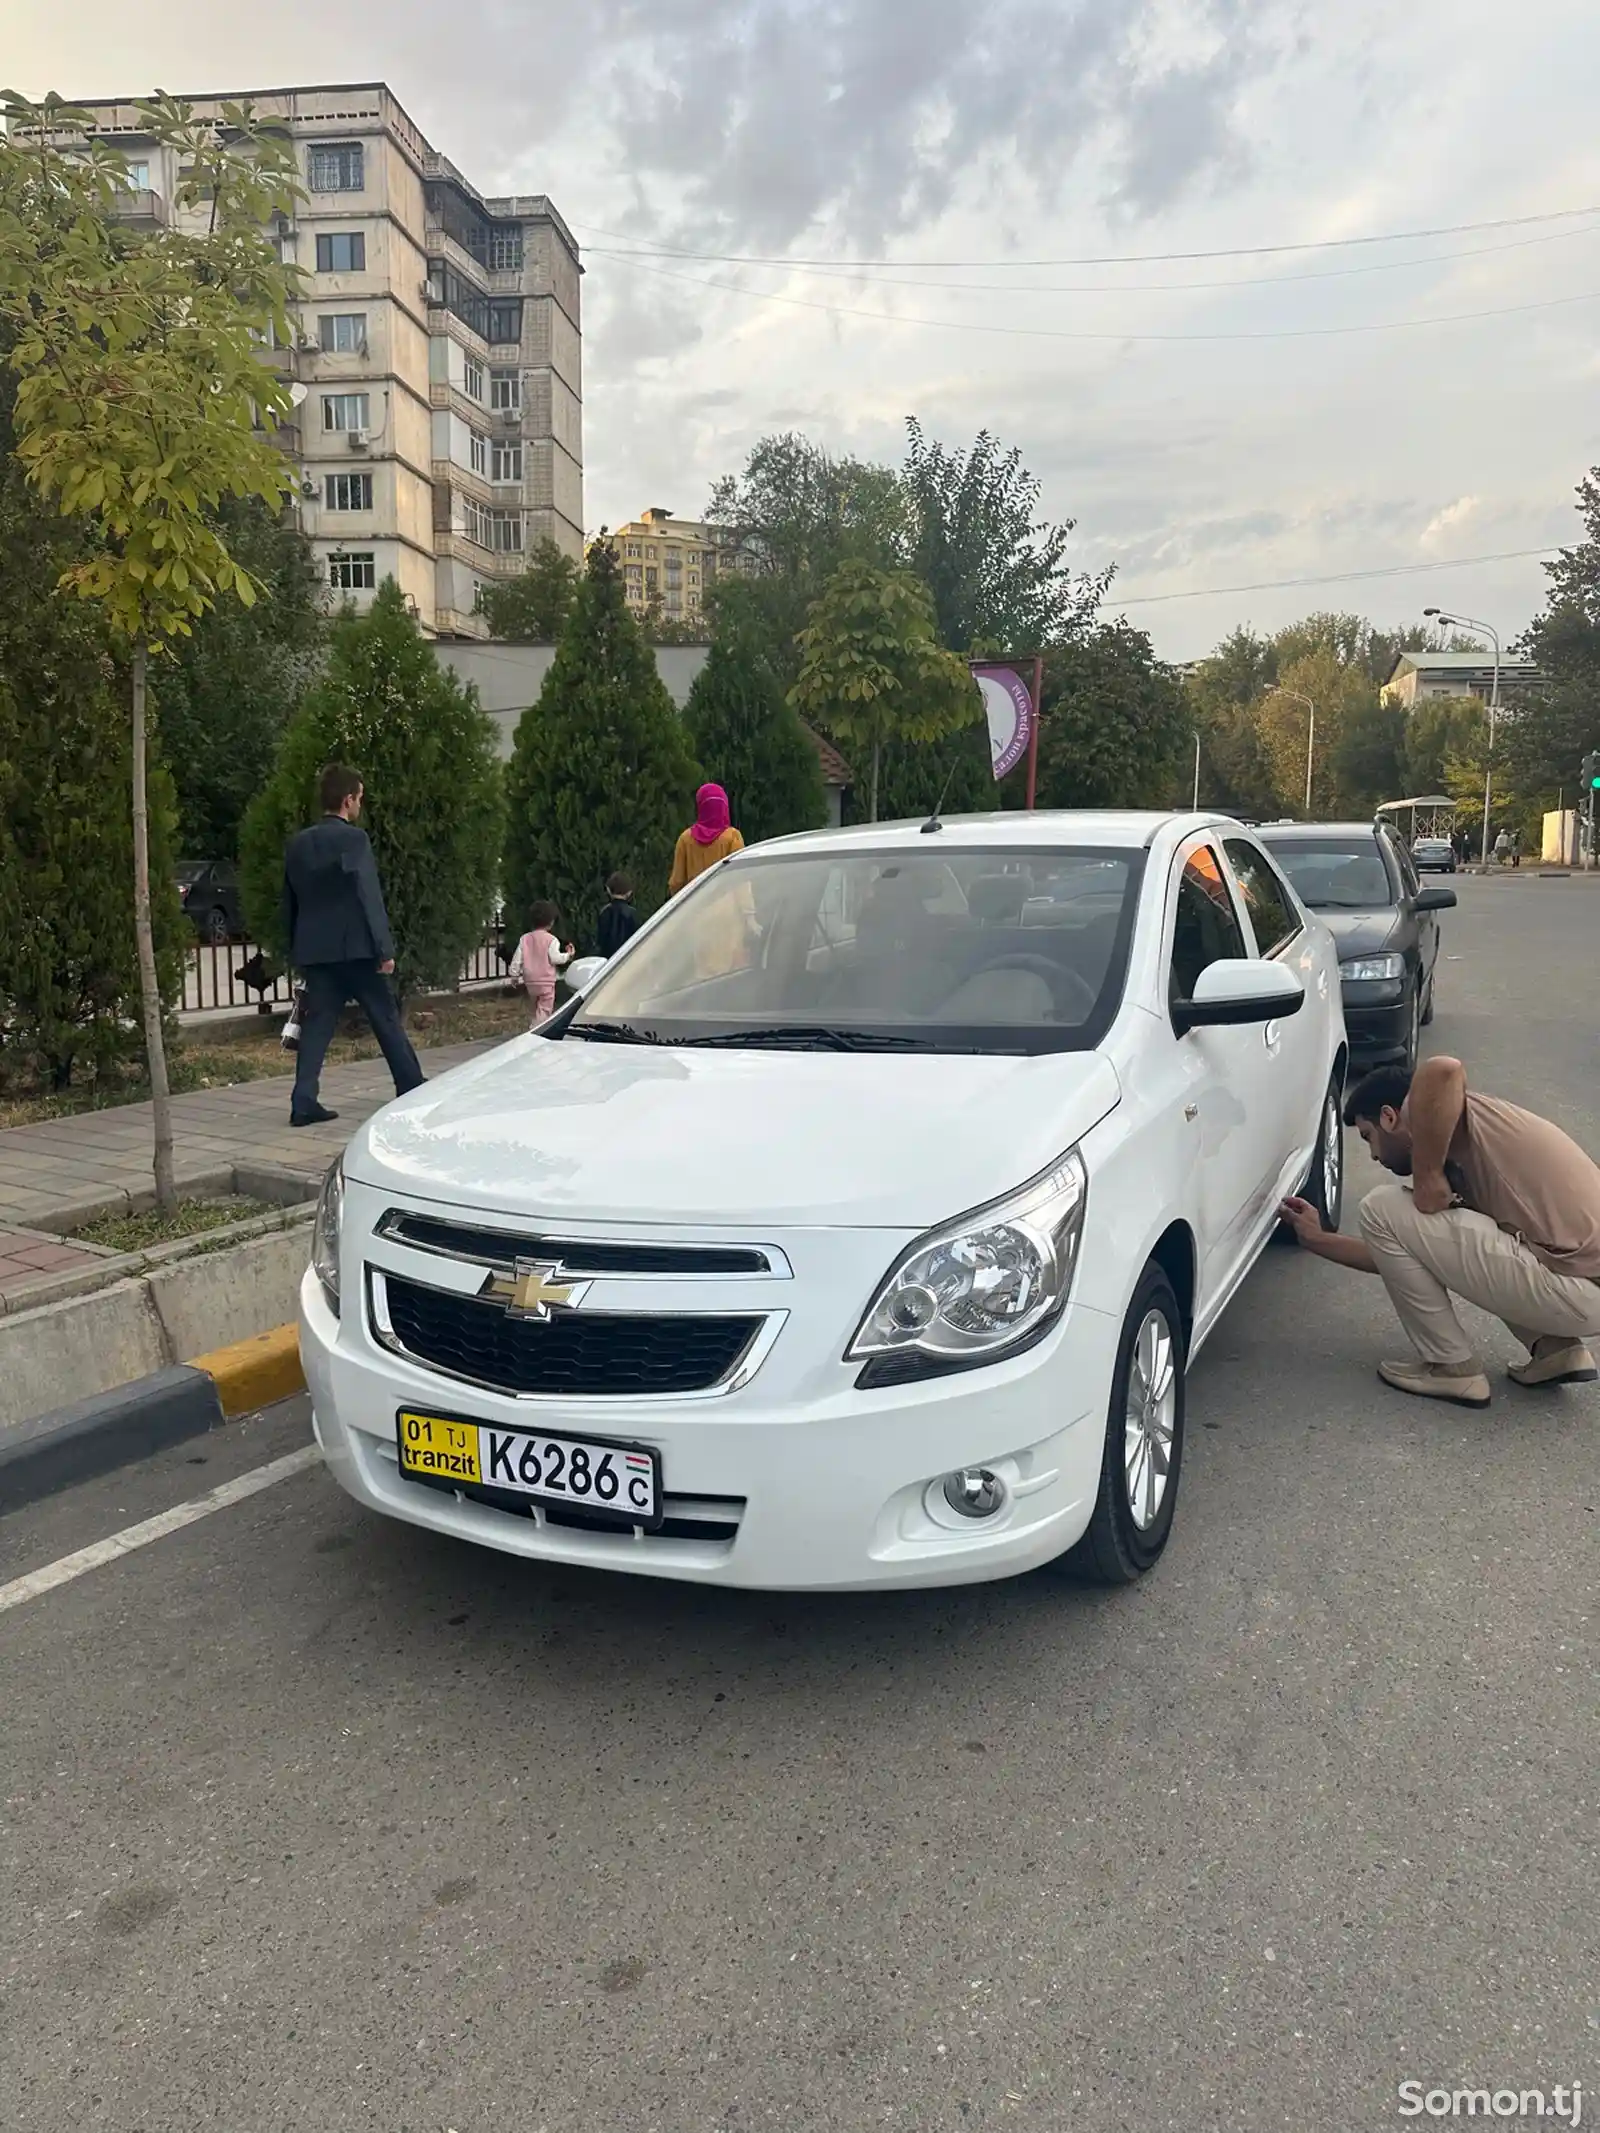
(580, 975)
(1235, 992)
(1436, 900)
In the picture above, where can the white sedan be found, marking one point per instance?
(854, 1227)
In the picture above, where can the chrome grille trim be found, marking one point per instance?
(583, 1257)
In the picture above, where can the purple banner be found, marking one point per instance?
(1008, 707)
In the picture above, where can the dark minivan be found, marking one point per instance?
(1359, 879)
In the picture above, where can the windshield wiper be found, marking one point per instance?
(807, 1036)
(610, 1033)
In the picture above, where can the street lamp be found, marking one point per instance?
(1278, 689)
(1484, 629)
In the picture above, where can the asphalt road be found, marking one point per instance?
(312, 1822)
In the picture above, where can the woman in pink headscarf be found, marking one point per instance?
(710, 837)
(722, 942)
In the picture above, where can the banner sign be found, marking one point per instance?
(1008, 707)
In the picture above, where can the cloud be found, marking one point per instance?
(1450, 520)
(762, 119)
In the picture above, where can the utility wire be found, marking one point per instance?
(1060, 333)
(1335, 577)
(1101, 259)
(1153, 288)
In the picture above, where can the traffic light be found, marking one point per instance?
(1591, 772)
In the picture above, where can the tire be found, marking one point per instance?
(1136, 1500)
(216, 928)
(1324, 1186)
(1427, 1000)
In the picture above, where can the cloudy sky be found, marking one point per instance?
(1212, 422)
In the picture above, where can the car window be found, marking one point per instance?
(1004, 950)
(1272, 914)
(1335, 873)
(1408, 872)
(1207, 929)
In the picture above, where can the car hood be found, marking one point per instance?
(613, 1133)
(1361, 932)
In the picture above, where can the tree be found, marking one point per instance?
(69, 963)
(997, 572)
(747, 738)
(142, 401)
(434, 803)
(602, 775)
(1369, 756)
(1558, 723)
(225, 696)
(1115, 729)
(1222, 693)
(872, 668)
(532, 608)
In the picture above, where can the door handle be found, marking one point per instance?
(1191, 1112)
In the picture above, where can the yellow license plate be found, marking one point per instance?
(444, 1451)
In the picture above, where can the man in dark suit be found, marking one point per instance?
(338, 936)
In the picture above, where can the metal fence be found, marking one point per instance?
(219, 975)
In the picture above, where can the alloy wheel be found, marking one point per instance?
(1150, 1418)
(1332, 1153)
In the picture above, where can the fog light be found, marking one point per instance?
(974, 1492)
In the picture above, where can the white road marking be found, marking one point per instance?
(68, 1567)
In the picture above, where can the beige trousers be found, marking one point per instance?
(1425, 1259)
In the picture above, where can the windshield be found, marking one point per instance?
(990, 951)
(1344, 874)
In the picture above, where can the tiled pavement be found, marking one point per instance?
(29, 1256)
(101, 1155)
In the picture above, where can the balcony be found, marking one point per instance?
(141, 208)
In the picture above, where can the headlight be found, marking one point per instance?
(1366, 967)
(325, 1233)
(982, 1286)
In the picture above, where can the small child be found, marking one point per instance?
(619, 921)
(539, 956)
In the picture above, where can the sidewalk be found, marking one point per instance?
(102, 1157)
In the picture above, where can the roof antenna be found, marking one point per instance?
(933, 825)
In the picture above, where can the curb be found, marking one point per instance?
(113, 1429)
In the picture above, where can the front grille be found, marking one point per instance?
(586, 1354)
(685, 1518)
(500, 1247)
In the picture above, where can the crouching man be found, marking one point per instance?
(1502, 1209)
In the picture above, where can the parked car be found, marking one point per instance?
(855, 1225)
(1433, 855)
(1359, 879)
(209, 891)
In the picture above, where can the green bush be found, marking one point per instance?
(425, 747)
(69, 975)
(747, 738)
(602, 774)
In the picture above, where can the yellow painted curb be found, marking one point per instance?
(256, 1372)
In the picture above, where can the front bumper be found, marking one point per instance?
(838, 1491)
(1377, 1019)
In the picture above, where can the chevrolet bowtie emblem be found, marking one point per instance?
(534, 1289)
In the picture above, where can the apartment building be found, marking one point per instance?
(439, 431)
(670, 564)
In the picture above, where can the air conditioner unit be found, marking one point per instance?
(508, 414)
(308, 488)
(308, 344)
(359, 440)
(285, 226)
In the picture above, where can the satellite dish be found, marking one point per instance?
(297, 393)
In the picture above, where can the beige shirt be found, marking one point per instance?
(1532, 1179)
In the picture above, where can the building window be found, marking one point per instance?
(342, 252)
(335, 167)
(634, 549)
(353, 570)
(652, 578)
(504, 322)
(138, 177)
(344, 411)
(505, 248)
(472, 379)
(505, 532)
(505, 388)
(347, 492)
(343, 332)
(507, 460)
(479, 452)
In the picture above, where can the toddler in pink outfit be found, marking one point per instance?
(539, 956)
